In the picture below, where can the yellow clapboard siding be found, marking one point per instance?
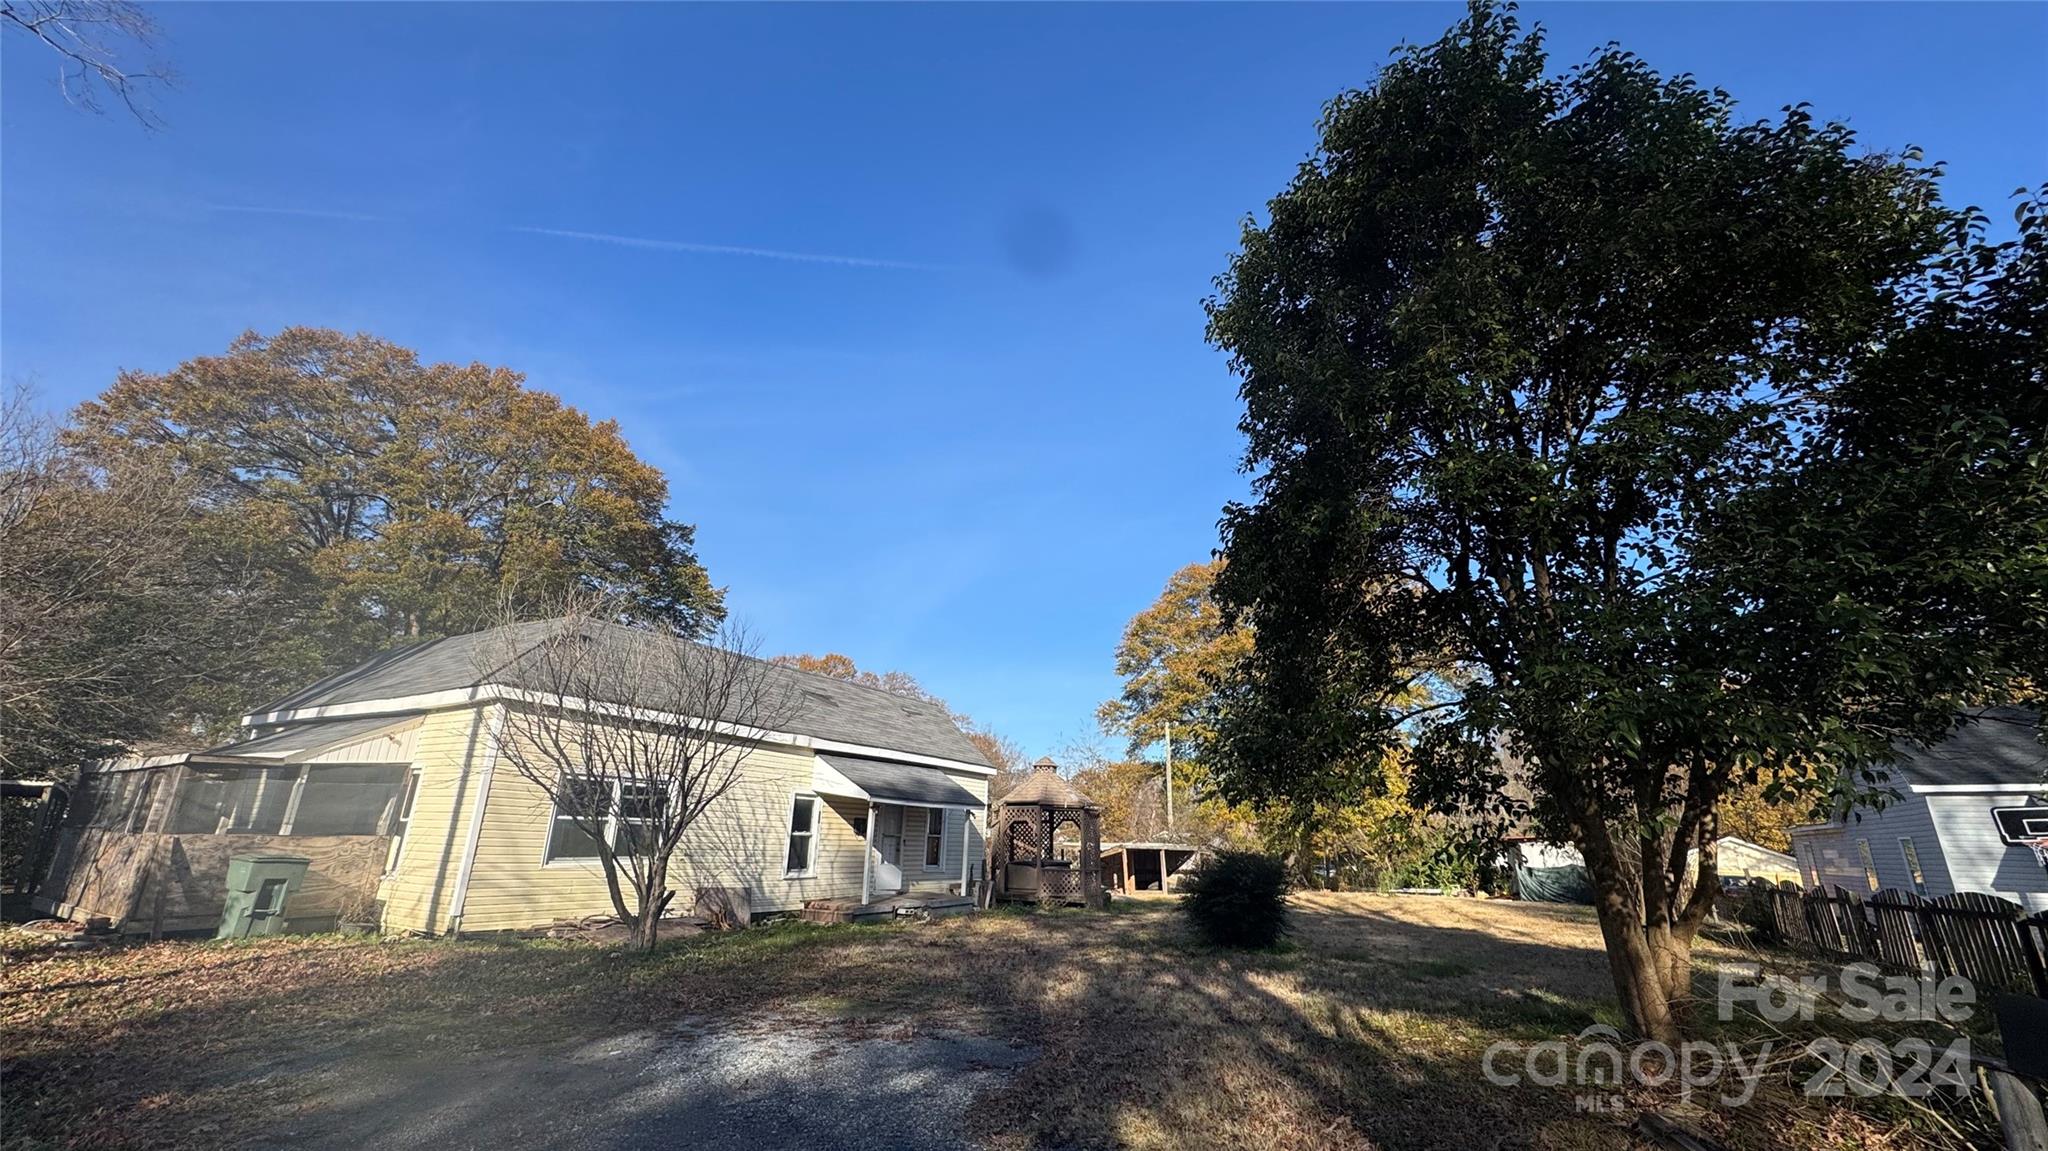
(448, 751)
(739, 842)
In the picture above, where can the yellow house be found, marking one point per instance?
(393, 780)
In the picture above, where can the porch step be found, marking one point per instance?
(854, 911)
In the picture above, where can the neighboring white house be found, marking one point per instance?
(1734, 858)
(1737, 858)
(1942, 833)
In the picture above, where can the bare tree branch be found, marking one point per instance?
(91, 39)
(632, 735)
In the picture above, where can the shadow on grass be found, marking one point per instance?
(1369, 1031)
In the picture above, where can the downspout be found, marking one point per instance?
(476, 819)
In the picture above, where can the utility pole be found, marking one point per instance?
(1169, 774)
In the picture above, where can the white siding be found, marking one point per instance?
(1828, 856)
(1977, 859)
(1532, 853)
(1954, 836)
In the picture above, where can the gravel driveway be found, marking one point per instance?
(761, 1082)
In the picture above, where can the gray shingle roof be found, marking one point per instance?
(308, 738)
(825, 708)
(1046, 787)
(901, 782)
(2000, 746)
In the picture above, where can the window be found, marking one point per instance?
(108, 798)
(404, 821)
(317, 799)
(1869, 867)
(581, 804)
(346, 799)
(208, 799)
(934, 836)
(1912, 858)
(638, 826)
(803, 828)
(264, 799)
(629, 816)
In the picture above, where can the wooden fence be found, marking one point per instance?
(1991, 942)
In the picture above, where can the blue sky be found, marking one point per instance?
(905, 300)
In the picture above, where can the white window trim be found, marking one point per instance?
(1864, 856)
(1909, 854)
(789, 832)
(931, 813)
(611, 831)
(401, 819)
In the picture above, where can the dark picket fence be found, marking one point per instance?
(1990, 941)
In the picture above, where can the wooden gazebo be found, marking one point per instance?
(1028, 860)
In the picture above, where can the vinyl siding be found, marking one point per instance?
(1746, 860)
(739, 842)
(1828, 856)
(448, 751)
(1976, 858)
(1954, 836)
(399, 746)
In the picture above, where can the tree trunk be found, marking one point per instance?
(1304, 857)
(1649, 923)
(647, 919)
(1648, 955)
(613, 887)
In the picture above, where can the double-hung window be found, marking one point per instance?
(803, 834)
(934, 836)
(637, 828)
(626, 815)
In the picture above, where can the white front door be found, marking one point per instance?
(888, 849)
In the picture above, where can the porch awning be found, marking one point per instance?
(883, 781)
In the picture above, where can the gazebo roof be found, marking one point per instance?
(1045, 787)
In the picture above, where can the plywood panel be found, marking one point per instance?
(155, 882)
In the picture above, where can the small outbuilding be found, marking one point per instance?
(1148, 865)
(1046, 842)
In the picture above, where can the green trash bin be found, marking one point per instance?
(259, 888)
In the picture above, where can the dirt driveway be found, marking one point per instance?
(762, 1081)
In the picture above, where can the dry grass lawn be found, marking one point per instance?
(1366, 1031)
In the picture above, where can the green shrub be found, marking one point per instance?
(1237, 899)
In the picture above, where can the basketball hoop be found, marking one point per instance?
(2024, 827)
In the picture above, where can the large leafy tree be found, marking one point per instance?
(413, 498)
(1176, 658)
(1511, 346)
(111, 590)
(1172, 656)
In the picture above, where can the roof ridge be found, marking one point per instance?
(838, 681)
